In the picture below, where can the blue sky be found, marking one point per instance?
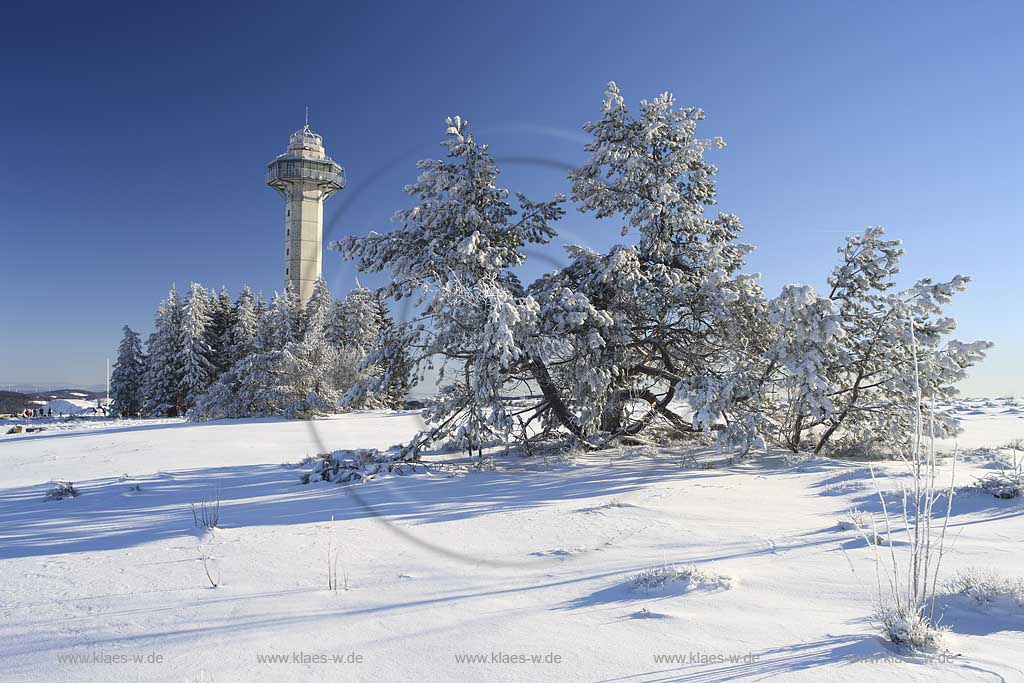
(135, 140)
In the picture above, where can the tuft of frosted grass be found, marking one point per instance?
(909, 626)
(856, 520)
(691, 575)
(986, 586)
(864, 524)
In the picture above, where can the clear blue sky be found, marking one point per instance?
(134, 140)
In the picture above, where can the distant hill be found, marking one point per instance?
(17, 401)
(13, 401)
(83, 394)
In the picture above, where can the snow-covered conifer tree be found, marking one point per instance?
(243, 329)
(456, 248)
(126, 380)
(222, 321)
(852, 363)
(625, 333)
(163, 369)
(291, 306)
(393, 363)
(195, 357)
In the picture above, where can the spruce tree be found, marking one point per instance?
(126, 380)
(195, 357)
(163, 372)
(243, 329)
(222, 320)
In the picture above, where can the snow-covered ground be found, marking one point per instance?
(457, 575)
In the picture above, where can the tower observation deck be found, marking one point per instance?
(305, 177)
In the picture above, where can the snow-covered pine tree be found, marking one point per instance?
(393, 363)
(243, 329)
(222, 321)
(314, 364)
(354, 331)
(625, 333)
(374, 350)
(360, 321)
(318, 309)
(291, 304)
(852, 362)
(261, 383)
(195, 357)
(163, 370)
(336, 326)
(126, 380)
(254, 384)
(261, 305)
(456, 250)
(276, 326)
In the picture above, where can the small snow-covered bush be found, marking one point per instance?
(986, 586)
(856, 520)
(359, 465)
(908, 625)
(694, 577)
(1008, 482)
(1002, 486)
(852, 448)
(62, 490)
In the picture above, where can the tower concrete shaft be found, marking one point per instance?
(305, 177)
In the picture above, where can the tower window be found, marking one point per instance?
(285, 271)
(288, 212)
(286, 252)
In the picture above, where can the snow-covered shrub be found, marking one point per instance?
(905, 603)
(359, 465)
(856, 520)
(986, 586)
(907, 625)
(62, 490)
(692, 576)
(1008, 482)
(849, 447)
